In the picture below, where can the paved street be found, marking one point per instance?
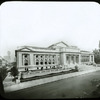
(76, 87)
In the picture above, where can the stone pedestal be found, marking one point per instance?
(18, 81)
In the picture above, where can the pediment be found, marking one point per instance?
(25, 49)
(61, 44)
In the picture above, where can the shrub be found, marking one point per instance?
(14, 71)
(3, 72)
(1, 84)
(76, 68)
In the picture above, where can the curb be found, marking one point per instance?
(45, 80)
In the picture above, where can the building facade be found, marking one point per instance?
(57, 55)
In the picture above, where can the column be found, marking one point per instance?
(90, 58)
(47, 59)
(62, 62)
(57, 59)
(34, 59)
(69, 59)
(39, 58)
(93, 58)
(31, 59)
(51, 59)
(79, 58)
(22, 60)
(74, 59)
(63, 59)
(43, 59)
(19, 59)
(66, 58)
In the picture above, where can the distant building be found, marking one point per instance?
(3, 62)
(58, 54)
(7, 58)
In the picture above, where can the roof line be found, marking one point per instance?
(29, 47)
(58, 43)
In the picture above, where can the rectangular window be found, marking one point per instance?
(25, 59)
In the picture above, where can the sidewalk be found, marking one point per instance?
(8, 80)
(23, 85)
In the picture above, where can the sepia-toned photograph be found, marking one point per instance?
(49, 50)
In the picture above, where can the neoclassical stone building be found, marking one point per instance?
(58, 54)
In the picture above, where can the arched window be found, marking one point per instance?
(36, 56)
(25, 56)
(53, 56)
(45, 61)
(49, 61)
(25, 62)
(53, 61)
(25, 59)
(37, 62)
(41, 62)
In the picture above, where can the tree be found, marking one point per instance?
(96, 56)
(3, 72)
(14, 72)
(1, 85)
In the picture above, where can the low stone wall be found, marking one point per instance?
(45, 80)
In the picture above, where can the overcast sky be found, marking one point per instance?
(44, 23)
